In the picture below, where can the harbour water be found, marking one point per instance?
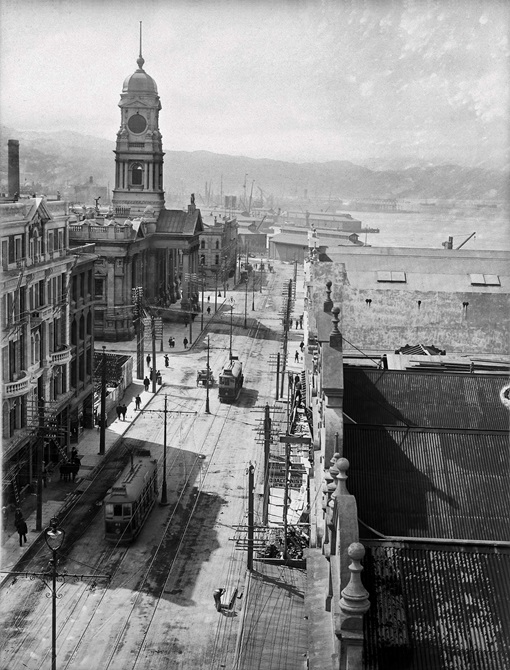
(430, 229)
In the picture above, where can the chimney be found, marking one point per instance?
(13, 167)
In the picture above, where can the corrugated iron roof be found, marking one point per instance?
(429, 400)
(429, 483)
(179, 222)
(434, 608)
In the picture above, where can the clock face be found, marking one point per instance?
(137, 123)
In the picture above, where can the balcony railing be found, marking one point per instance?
(62, 357)
(17, 388)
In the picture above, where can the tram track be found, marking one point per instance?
(156, 580)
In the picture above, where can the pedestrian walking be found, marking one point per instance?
(18, 515)
(167, 362)
(170, 342)
(74, 453)
(297, 324)
(296, 356)
(21, 527)
(301, 346)
(123, 412)
(159, 378)
(208, 298)
(301, 321)
(138, 402)
(148, 359)
(209, 311)
(185, 342)
(146, 383)
(118, 409)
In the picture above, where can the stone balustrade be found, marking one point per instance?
(17, 388)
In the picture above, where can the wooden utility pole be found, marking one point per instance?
(102, 424)
(251, 488)
(207, 410)
(164, 500)
(245, 303)
(166, 411)
(40, 458)
(277, 374)
(267, 444)
(154, 371)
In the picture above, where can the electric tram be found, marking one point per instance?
(129, 502)
(230, 381)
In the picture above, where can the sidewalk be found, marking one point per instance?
(177, 330)
(56, 492)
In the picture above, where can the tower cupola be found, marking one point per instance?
(139, 150)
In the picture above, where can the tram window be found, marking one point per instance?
(117, 510)
(126, 510)
(109, 510)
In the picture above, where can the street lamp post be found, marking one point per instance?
(202, 316)
(54, 539)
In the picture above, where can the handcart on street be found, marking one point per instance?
(205, 378)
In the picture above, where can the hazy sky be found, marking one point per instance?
(303, 80)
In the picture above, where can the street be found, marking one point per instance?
(158, 608)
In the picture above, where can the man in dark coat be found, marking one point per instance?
(21, 527)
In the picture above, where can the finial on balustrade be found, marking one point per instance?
(328, 303)
(354, 598)
(342, 465)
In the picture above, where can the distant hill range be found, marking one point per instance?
(64, 160)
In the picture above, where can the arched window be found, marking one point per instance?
(217, 244)
(202, 259)
(202, 244)
(136, 174)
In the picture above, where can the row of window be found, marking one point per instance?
(14, 247)
(41, 293)
(216, 244)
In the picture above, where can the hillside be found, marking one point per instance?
(61, 160)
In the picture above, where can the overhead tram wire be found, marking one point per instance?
(100, 600)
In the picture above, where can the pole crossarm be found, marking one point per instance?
(167, 411)
(63, 577)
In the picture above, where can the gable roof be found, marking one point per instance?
(178, 222)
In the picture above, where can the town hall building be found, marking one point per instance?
(141, 243)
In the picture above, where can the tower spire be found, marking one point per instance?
(140, 61)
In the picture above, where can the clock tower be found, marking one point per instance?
(139, 150)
